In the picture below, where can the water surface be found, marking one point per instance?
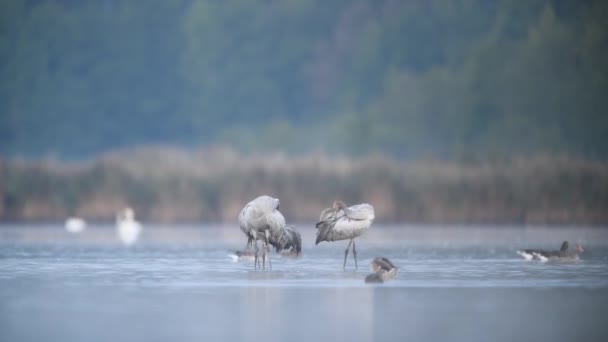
(179, 283)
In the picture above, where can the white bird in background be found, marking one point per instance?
(127, 228)
(344, 223)
(261, 220)
(75, 225)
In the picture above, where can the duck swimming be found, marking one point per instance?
(383, 270)
(246, 255)
(563, 254)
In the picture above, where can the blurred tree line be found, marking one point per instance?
(410, 78)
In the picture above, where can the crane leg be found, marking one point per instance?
(346, 253)
(247, 246)
(269, 262)
(255, 259)
(355, 255)
(268, 249)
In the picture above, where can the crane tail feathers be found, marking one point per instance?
(323, 230)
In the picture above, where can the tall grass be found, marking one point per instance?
(169, 185)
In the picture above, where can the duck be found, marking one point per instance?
(562, 254)
(570, 255)
(246, 255)
(383, 269)
(530, 254)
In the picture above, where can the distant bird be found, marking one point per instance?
(530, 254)
(261, 220)
(340, 222)
(75, 225)
(245, 255)
(127, 228)
(542, 255)
(383, 270)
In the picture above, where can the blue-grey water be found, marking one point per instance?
(179, 283)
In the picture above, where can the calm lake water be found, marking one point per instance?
(179, 283)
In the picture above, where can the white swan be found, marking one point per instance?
(127, 228)
(75, 225)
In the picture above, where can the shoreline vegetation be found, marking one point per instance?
(171, 185)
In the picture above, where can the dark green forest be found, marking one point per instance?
(447, 79)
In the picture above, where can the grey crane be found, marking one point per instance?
(340, 222)
(261, 220)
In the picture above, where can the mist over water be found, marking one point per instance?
(179, 283)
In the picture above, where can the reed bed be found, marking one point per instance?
(165, 184)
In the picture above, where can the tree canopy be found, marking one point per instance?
(409, 78)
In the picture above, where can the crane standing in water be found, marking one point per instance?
(261, 220)
(340, 222)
